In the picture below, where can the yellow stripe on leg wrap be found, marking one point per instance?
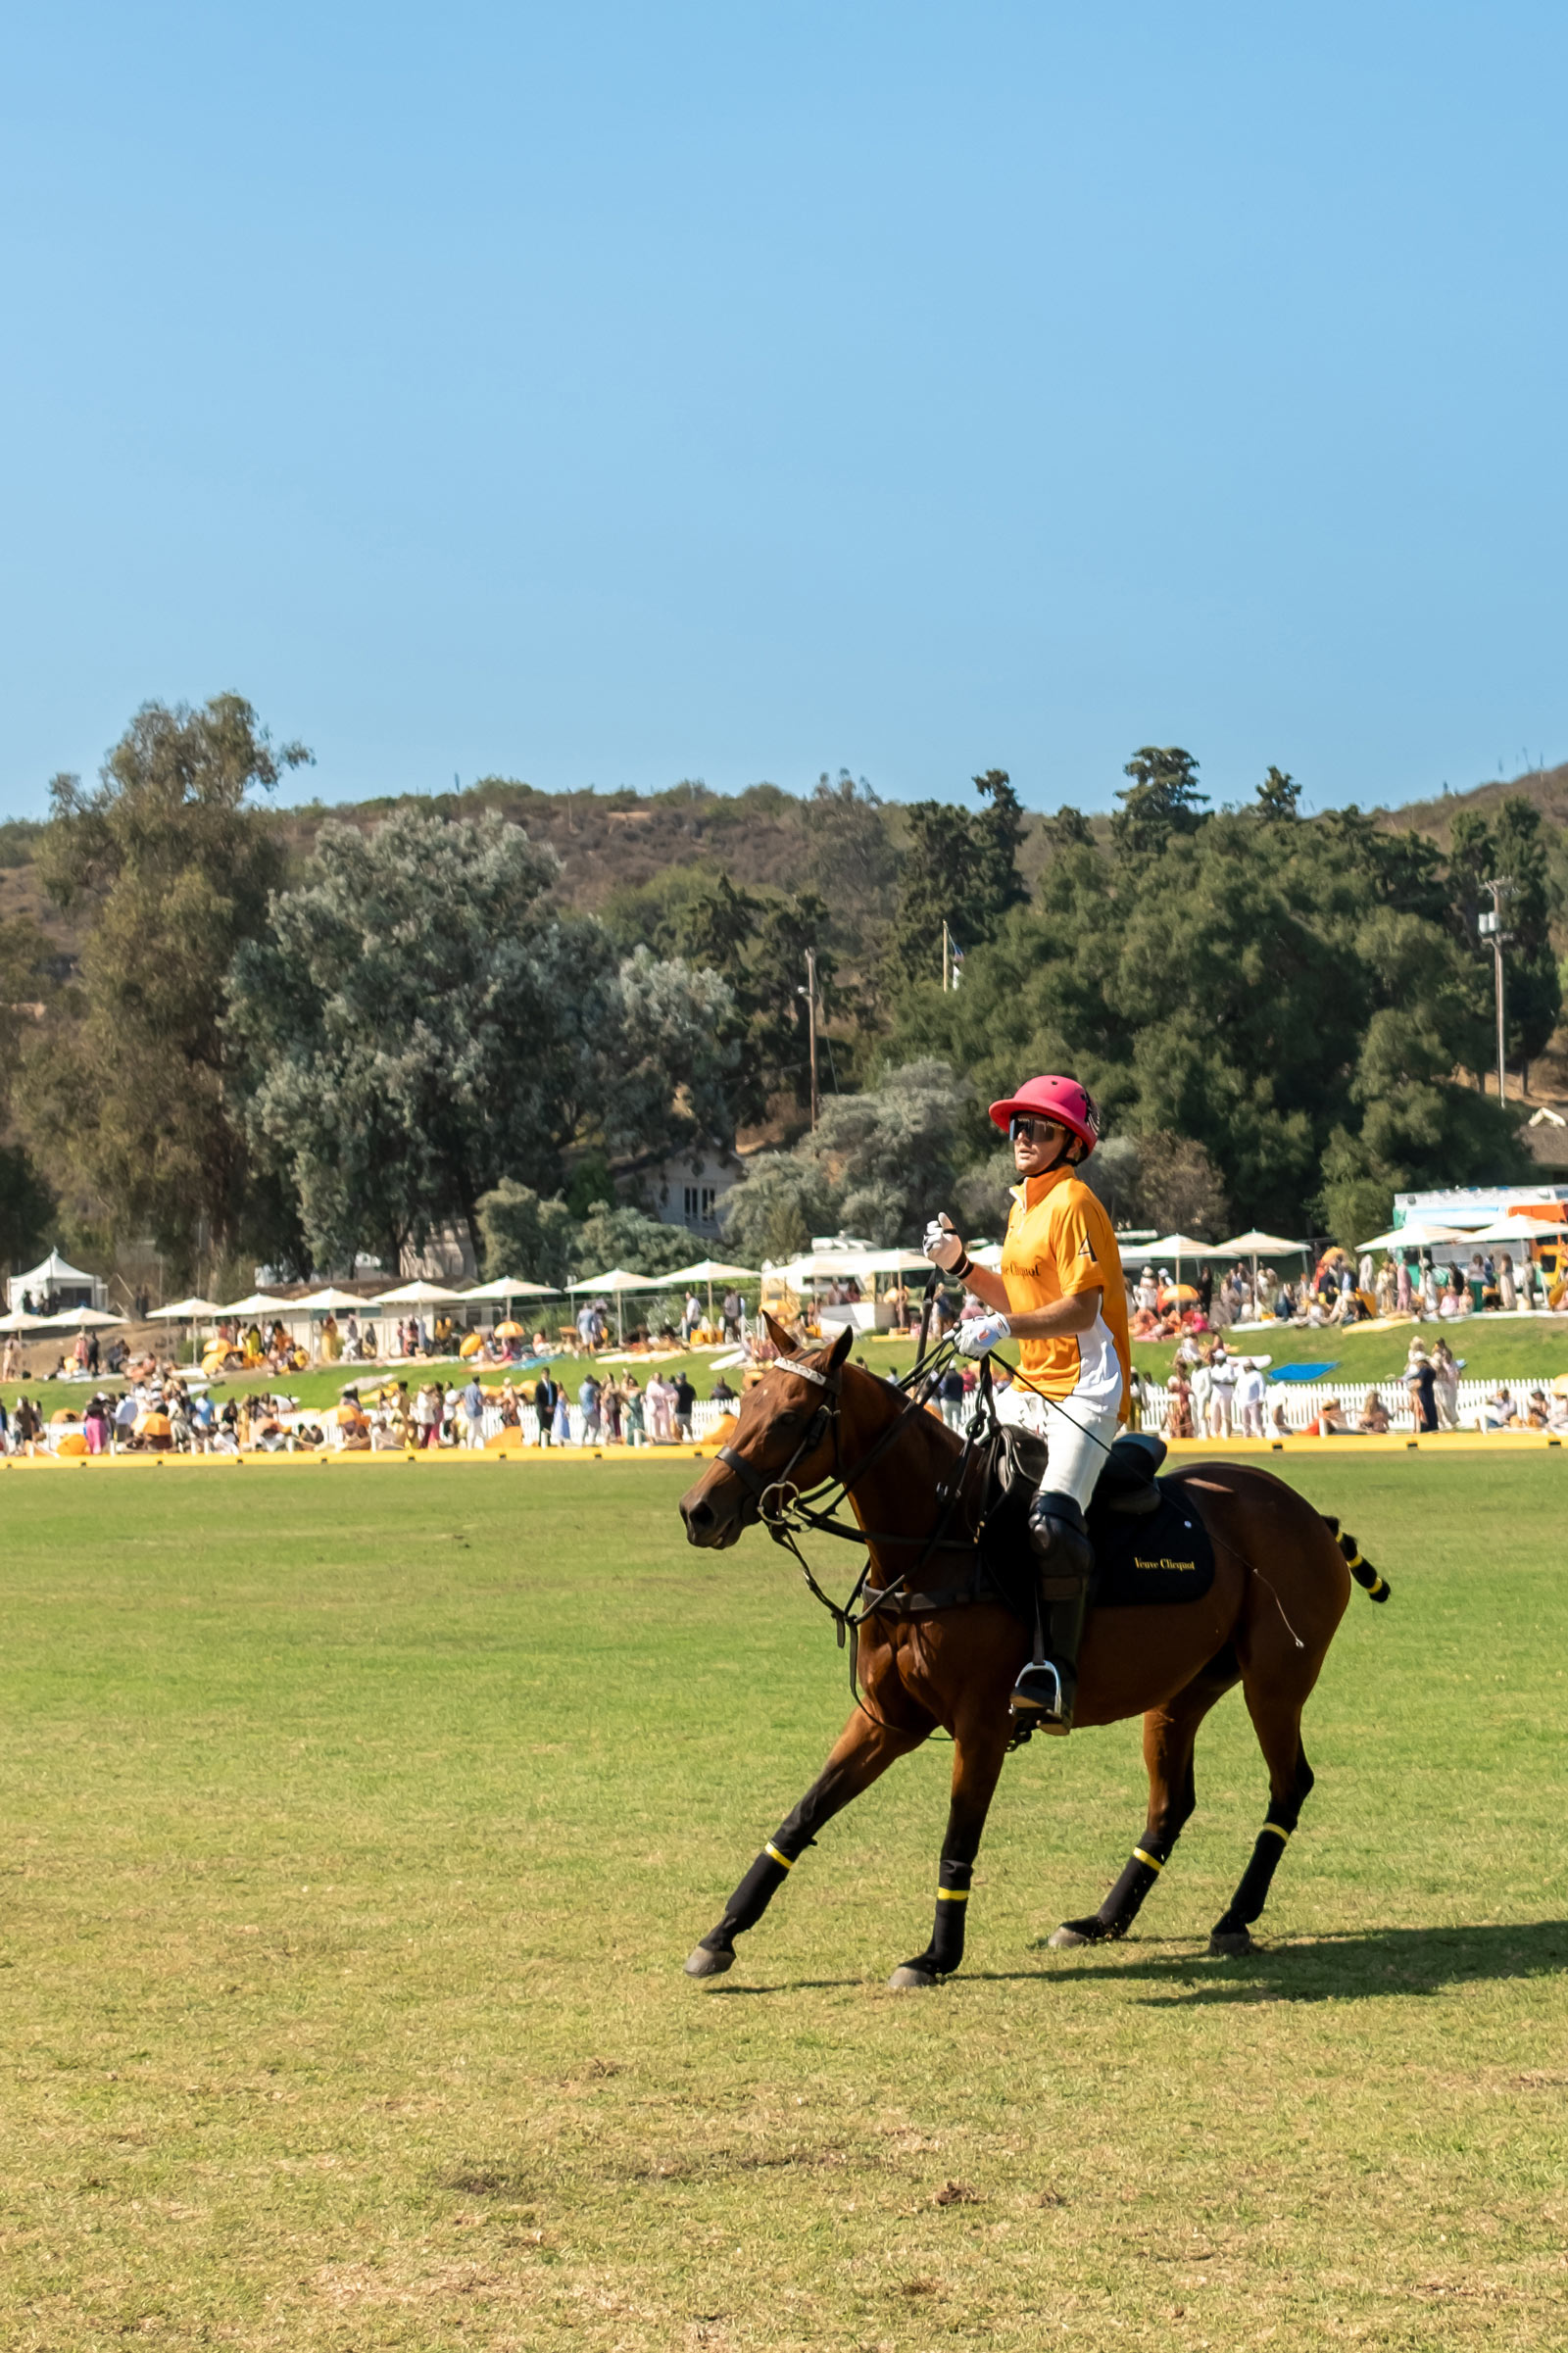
(952, 1895)
(1141, 1855)
(784, 1861)
(1274, 1826)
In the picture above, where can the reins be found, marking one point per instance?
(787, 1513)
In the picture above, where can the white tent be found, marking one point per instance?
(57, 1274)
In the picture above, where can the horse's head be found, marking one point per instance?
(783, 1442)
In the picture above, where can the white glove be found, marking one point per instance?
(943, 1243)
(978, 1335)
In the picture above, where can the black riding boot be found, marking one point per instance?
(1046, 1689)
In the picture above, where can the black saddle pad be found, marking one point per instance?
(1165, 1556)
(1157, 1556)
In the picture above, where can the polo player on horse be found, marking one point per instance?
(1061, 1296)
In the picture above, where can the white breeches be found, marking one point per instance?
(1078, 1433)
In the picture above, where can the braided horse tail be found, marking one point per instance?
(1375, 1586)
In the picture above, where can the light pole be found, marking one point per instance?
(809, 995)
(1490, 926)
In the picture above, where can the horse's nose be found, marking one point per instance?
(698, 1516)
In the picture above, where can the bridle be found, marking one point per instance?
(788, 1512)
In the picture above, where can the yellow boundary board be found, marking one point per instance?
(1446, 1442)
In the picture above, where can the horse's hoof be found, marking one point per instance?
(911, 1978)
(1230, 1945)
(1067, 1936)
(701, 1962)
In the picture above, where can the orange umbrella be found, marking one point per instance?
(510, 1331)
(152, 1425)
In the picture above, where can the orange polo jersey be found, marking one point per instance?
(1059, 1241)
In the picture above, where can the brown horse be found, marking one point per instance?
(1280, 1585)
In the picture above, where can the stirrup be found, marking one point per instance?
(1041, 1696)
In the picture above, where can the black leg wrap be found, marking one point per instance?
(1253, 1894)
(952, 1907)
(753, 1896)
(1139, 1874)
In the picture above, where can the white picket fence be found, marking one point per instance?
(1302, 1400)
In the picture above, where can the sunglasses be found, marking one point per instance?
(1030, 1129)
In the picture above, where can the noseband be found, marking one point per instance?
(776, 1515)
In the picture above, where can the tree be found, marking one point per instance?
(524, 1235)
(421, 1023)
(848, 853)
(26, 991)
(1162, 800)
(960, 868)
(1279, 796)
(758, 943)
(1257, 989)
(668, 1052)
(1067, 829)
(1534, 995)
(616, 1234)
(167, 864)
(876, 1165)
(418, 1023)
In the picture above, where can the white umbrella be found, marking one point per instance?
(1252, 1243)
(511, 1287)
(259, 1303)
(617, 1282)
(185, 1311)
(711, 1271)
(18, 1321)
(1413, 1236)
(1522, 1229)
(85, 1319)
(328, 1301)
(416, 1295)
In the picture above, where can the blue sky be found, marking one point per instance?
(611, 395)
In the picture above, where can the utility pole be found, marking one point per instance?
(1490, 926)
(810, 994)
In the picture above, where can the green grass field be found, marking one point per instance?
(358, 1826)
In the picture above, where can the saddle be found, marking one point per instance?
(1126, 1485)
(1149, 1544)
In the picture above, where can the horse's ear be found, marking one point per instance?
(841, 1348)
(785, 1342)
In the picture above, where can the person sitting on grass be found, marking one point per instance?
(1374, 1420)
